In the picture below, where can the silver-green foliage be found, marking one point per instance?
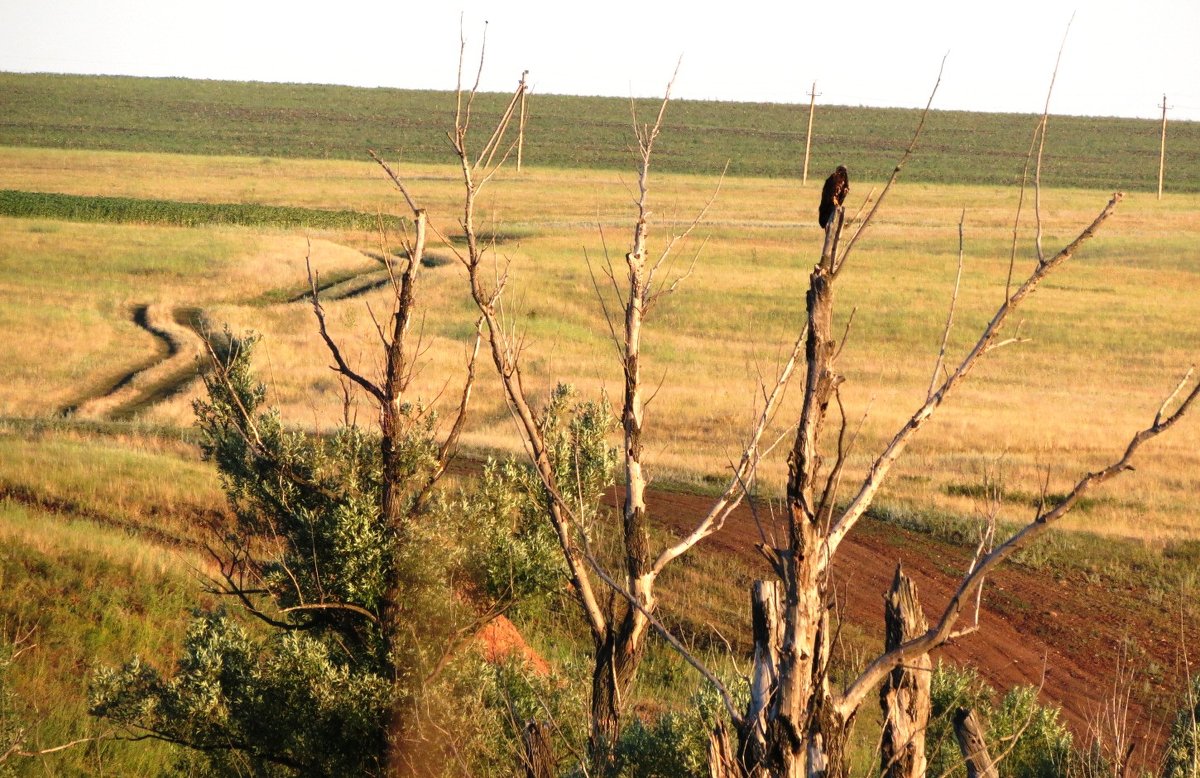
(311, 555)
(1182, 758)
(517, 554)
(280, 706)
(674, 743)
(1026, 739)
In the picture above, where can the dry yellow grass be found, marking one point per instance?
(1108, 336)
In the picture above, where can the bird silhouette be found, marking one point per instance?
(837, 186)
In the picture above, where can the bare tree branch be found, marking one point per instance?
(882, 465)
(1037, 175)
(735, 491)
(937, 366)
(341, 366)
(866, 222)
(939, 633)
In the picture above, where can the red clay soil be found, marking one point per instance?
(1062, 633)
(500, 640)
(1059, 631)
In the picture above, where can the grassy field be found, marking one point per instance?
(101, 522)
(98, 560)
(1109, 335)
(763, 139)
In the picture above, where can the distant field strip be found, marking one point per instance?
(125, 210)
(313, 121)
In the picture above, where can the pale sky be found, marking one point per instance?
(1120, 57)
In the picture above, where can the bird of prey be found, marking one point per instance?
(837, 186)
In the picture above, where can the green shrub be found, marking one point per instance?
(1182, 758)
(1027, 739)
(516, 554)
(282, 706)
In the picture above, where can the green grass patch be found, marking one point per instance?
(1022, 497)
(127, 210)
(756, 139)
(141, 483)
(90, 595)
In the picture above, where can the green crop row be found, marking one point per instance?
(125, 210)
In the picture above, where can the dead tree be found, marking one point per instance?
(968, 730)
(797, 725)
(619, 626)
(904, 695)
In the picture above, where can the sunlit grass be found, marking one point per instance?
(67, 293)
(134, 480)
(1108, 335)
(88, 595)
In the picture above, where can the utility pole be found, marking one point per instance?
(1162, 149)
(521, 122)
(812, 105)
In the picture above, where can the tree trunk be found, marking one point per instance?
(722, 761)
(969, 731)
(537, 755)
(802, 736)
(766, 613)
(904, 696)
(393, 620)
(616, 665)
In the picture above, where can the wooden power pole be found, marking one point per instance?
(812, 105)
(1162, 148)
(521, 122)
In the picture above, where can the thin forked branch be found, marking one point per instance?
(742, 473)
(341, 366)
(937, 366)
(870, 217)
(883, 464)
(941, 632)
(1037, 174)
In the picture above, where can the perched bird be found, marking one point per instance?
(837, 186)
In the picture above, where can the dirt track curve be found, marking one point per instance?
(169, 370)
(179, 351)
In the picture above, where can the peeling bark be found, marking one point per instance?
(904, 695)
(969, 731)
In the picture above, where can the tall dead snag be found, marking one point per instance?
(618, 626)
(801, 728)
(904, 696)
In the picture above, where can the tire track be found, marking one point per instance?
(176, 363)
(182, 335)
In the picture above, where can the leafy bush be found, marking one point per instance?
(1030, 739)
(675, 743)
(1182, 758)
(314, 558)
(1027, 739)
(516, 555)
(282, 706)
